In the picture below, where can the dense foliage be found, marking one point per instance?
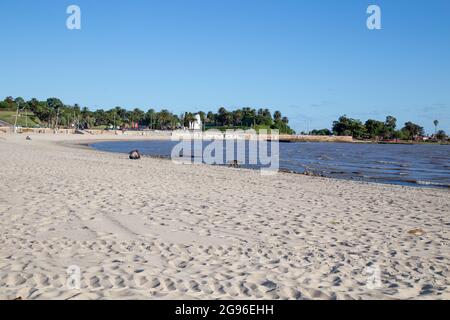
(374, 129)
(54, 113)
(377, 130)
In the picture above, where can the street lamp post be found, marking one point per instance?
(15, 121)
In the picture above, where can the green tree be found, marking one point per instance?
(321, 132)
(277, 116)
(224, 117)
(202, 116)
(54, 105)
(4, 105)
(10, 104)
(211, 118)
(264, 117)
(412, 130)
(389, 127)
(436, 123)
(150, 118)
(188, 118)
(374, 128)
(100, 118)
(441, 135)
(282, 127)
(238, 115)
(345, 126)
(249, 117)
(165, 120)
(137, 116)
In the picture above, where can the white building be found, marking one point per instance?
(196, 124)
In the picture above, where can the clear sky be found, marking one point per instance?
(313, 60)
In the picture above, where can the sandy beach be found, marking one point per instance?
(152, 229)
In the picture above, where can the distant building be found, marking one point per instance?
(196, 124)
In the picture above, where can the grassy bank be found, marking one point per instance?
(10, 116)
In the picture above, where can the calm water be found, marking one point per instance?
(418, 165)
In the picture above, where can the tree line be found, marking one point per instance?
(381, 130)
(242, 118)
(54, 113)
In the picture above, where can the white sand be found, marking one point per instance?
(151, 229)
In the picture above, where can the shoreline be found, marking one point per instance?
(409, 183)
(152, 229)
(283, 138)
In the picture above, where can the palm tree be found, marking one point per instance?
(277, 115)
(223, 116)
(436, 123)
(150, 117)
(188, 119)
(237, 117)
(137, 116)
(211, 118)
(165, 118)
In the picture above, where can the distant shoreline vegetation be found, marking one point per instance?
(53, 113)
(375, 130)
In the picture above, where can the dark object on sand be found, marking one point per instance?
(135, 155)
(28, 138)
(417, 232)
(312, 174)
(270, 285)
(234, 164)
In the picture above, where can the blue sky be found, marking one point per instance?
(313, 60)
